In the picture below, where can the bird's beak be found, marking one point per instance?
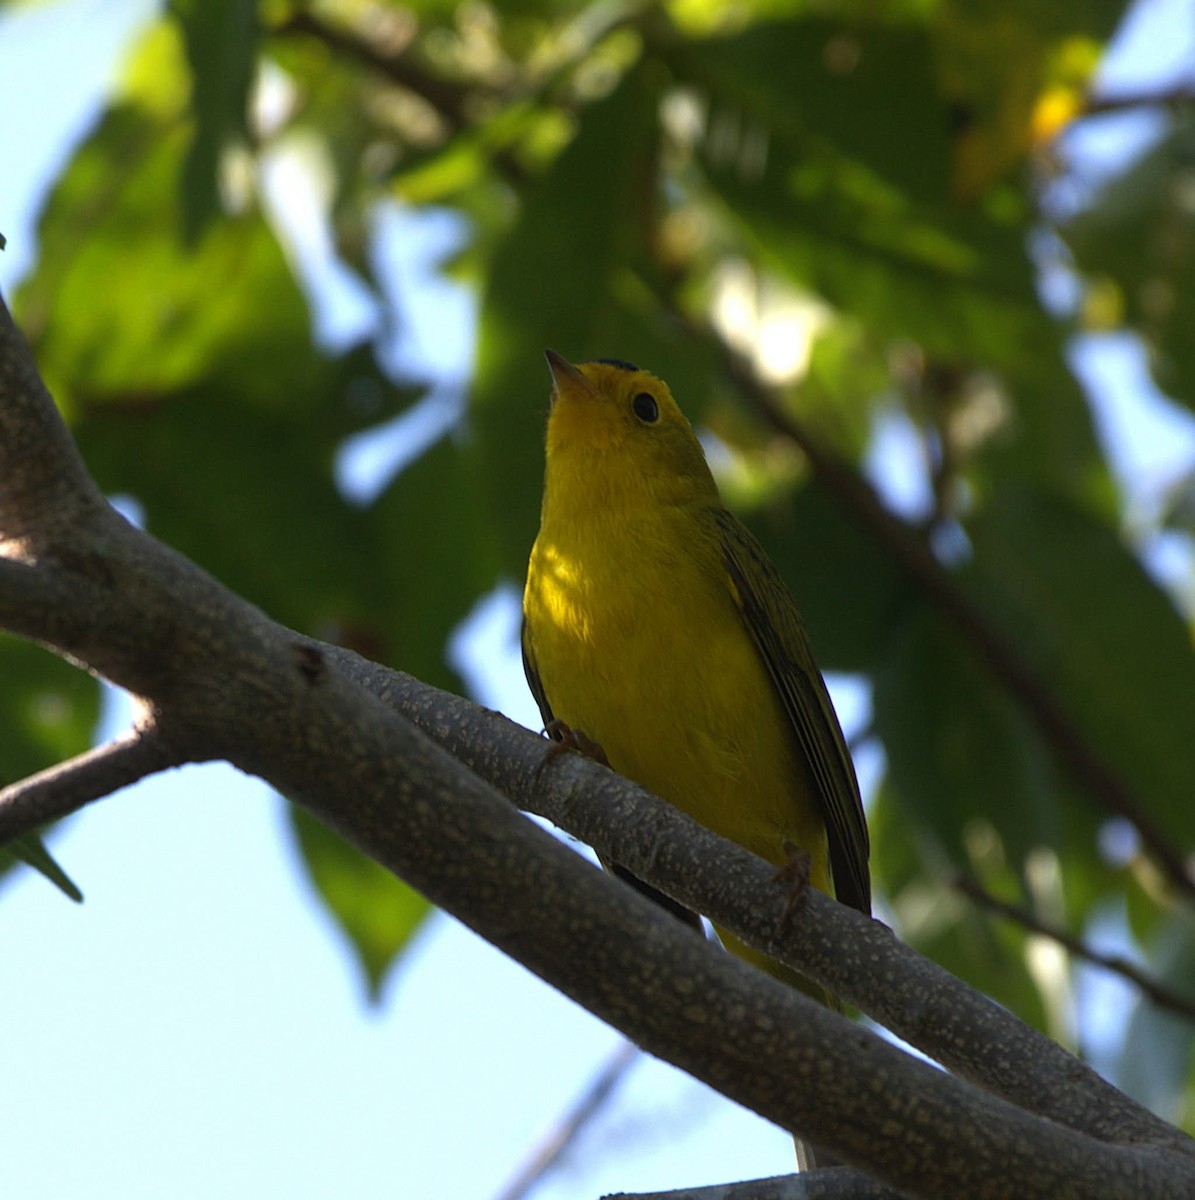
(566, 377)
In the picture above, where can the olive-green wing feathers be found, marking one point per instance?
(779, 635)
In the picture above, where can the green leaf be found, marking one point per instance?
(221, 39)
(553, 284)
(857, 211)
(1136, 243)
(436, 557)
(1101, 635)
(51, 710)
(931, 916)
(849, 591)
(32, 852)
(170, 315)
(868, 91)
(963, 760)
(377, 912)
(1156, 1056)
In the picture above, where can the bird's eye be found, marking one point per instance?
(646, 408)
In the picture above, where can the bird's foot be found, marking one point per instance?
(565, 738)
(796, 874)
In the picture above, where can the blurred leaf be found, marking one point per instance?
(439, 557)
(851, 223)
(376, 911)
(849, 591)
(188, 404)
(221, 43)
(50, 710)
(119, 306)
(31, 850)
(909, 869)
(551, 285)
(866, 90)
(1004, 67)
(1046, 438)
(962, 759)
(1101, 634)
(1156, 1058)
(295, 547)
(1137, 239)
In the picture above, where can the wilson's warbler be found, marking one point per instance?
(655, 624)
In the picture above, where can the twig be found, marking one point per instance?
(572, 1124)
(1175, 97)
(446, 97)
(67, 787)
(914, 556)
(1159, 993)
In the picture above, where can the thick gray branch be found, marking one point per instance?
(853, 956)
(219, 679)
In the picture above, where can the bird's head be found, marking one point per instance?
(611, 419)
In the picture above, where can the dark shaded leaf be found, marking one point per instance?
(553, 285)
(850, 593)
(1103, 637)
(866, 90)
(221, 42)
(909, 869)
(962, 759)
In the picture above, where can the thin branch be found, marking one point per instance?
(445, 96)
(61, 790)
(1159, 993)
(1179, 96)
(562, 1138)
(915, 557)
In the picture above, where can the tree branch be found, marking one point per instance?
(1161, 995)
(572, 1125)
(222, 680)
(856, 958)
(1070, 743)
(447, 97)
(61, 790)
(833, 1183)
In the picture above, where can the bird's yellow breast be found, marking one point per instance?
(638, 643)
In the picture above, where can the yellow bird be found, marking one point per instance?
(655, 624)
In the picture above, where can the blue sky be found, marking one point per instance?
(197, 1028)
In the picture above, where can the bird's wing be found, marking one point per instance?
(771, 617)
(532, 672)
